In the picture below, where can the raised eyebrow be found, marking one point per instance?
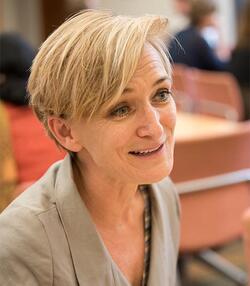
(157, 82)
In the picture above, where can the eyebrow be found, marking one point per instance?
(159, 81)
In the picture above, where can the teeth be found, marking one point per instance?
(146, 151)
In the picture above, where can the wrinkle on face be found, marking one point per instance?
(106, 142)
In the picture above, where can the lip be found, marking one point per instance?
(147, 152)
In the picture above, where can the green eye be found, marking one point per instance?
(162, 96)
(121, 111)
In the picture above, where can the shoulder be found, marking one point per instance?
(187, 32)
(190, 40)
(33, 243)
(39, 196)
(192, 35)
(24, 250)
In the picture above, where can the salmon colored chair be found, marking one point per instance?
(246, 229)
(216, 93)
(32, 150)
(212, 176)
(182, 88)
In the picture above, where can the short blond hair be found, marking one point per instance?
(88, 62)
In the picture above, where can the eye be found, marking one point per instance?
(120, 111)
(162, 96)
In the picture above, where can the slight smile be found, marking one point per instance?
(147, 152)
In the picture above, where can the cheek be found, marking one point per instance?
(168, 117)
(108, 143)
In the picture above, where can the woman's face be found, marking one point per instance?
(133, 140)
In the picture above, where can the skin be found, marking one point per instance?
(143, 119)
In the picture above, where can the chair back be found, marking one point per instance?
(246, 229)
(33, 150)
(179, 78)
(210, 156)
(212, 176)
(182, 88)
(216, 93)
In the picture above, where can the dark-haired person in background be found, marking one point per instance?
(195, 46)
(16, 57)
(240, 60)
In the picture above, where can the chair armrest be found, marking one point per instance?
(223, 180)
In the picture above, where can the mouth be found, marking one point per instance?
(148, 152)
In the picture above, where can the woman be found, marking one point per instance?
(101, 85)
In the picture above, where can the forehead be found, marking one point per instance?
(150, 70)
(150, 63)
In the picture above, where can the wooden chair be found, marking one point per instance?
(216, 93)
(246, 231)
(32, 152)
(182, 88)
(212, 176)
(8, 170)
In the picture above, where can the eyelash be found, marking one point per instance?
(118, 111)
(167, 94)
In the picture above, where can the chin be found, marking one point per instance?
(156, 175)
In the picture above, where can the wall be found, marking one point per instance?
(138, 7)
(227, 20)
(22, 16)
(165, 7)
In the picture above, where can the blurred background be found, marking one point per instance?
(36, 19)
(213, 132)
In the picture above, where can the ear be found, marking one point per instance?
(62, 131)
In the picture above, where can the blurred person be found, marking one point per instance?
(107, 214)
(196, 46)
(16, 57)
(240, 59)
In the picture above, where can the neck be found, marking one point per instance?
(110, 203)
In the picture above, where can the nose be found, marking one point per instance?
(150, 124)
